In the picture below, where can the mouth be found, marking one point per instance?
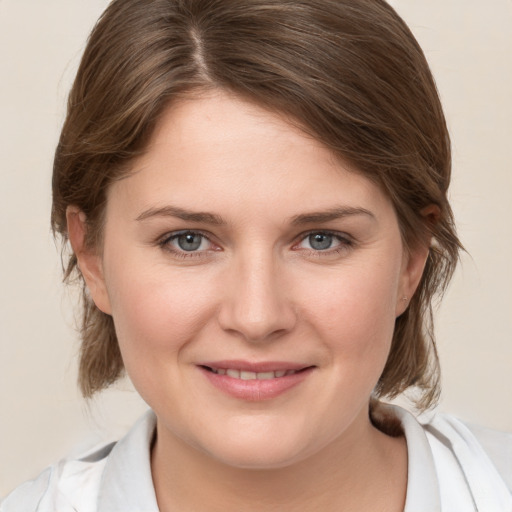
(235, 373)
(255, 382)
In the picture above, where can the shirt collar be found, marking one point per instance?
(127, 485)
(422, 484)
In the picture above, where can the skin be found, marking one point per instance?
(255, 290)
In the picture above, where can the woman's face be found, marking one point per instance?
(254, 282)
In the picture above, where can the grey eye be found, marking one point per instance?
(189, 241)
(320, 241)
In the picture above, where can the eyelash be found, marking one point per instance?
(165, 244)
(345, 243)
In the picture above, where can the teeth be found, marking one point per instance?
(266, 375)
(244, 375)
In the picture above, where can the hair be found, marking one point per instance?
(349, 72)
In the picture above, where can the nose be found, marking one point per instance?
(256, 304)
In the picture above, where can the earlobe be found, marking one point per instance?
(89, 261)
(411, 276)
(415, 260)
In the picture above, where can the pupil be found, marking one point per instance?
(189, 242)
(320, 241)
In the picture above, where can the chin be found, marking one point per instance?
(259, 456)
(260, 446)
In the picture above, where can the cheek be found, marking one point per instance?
(355, 310)
(156, 311)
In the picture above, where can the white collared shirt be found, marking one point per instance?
(448, 471)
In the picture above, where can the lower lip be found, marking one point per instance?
(255, 390)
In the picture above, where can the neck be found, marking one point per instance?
(361, 470)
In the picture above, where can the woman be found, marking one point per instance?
(262, 338)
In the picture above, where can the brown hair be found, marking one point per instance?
(349, 72)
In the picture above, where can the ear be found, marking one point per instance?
(414, 262)
(89, 260)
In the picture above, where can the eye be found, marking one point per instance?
(186, 242)
(319, 241)
(190, 241)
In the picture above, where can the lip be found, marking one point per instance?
(257, 367)
(255, 390)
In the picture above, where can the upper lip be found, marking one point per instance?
(256, 367)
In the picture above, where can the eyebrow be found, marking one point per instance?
(181, 213)
(216, 220)
(331, 214)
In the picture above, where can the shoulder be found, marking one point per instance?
(454, 466)
(66, 486)
(28, 495)
(114, 476)
(482, 453)
(496, 445)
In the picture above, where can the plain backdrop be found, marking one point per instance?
(43, 418)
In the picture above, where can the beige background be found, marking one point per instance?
(42, 418)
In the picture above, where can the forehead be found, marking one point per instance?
(219, 152)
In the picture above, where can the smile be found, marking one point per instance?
(255, 382)
(248, 375)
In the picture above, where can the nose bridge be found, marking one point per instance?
(256, 304)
